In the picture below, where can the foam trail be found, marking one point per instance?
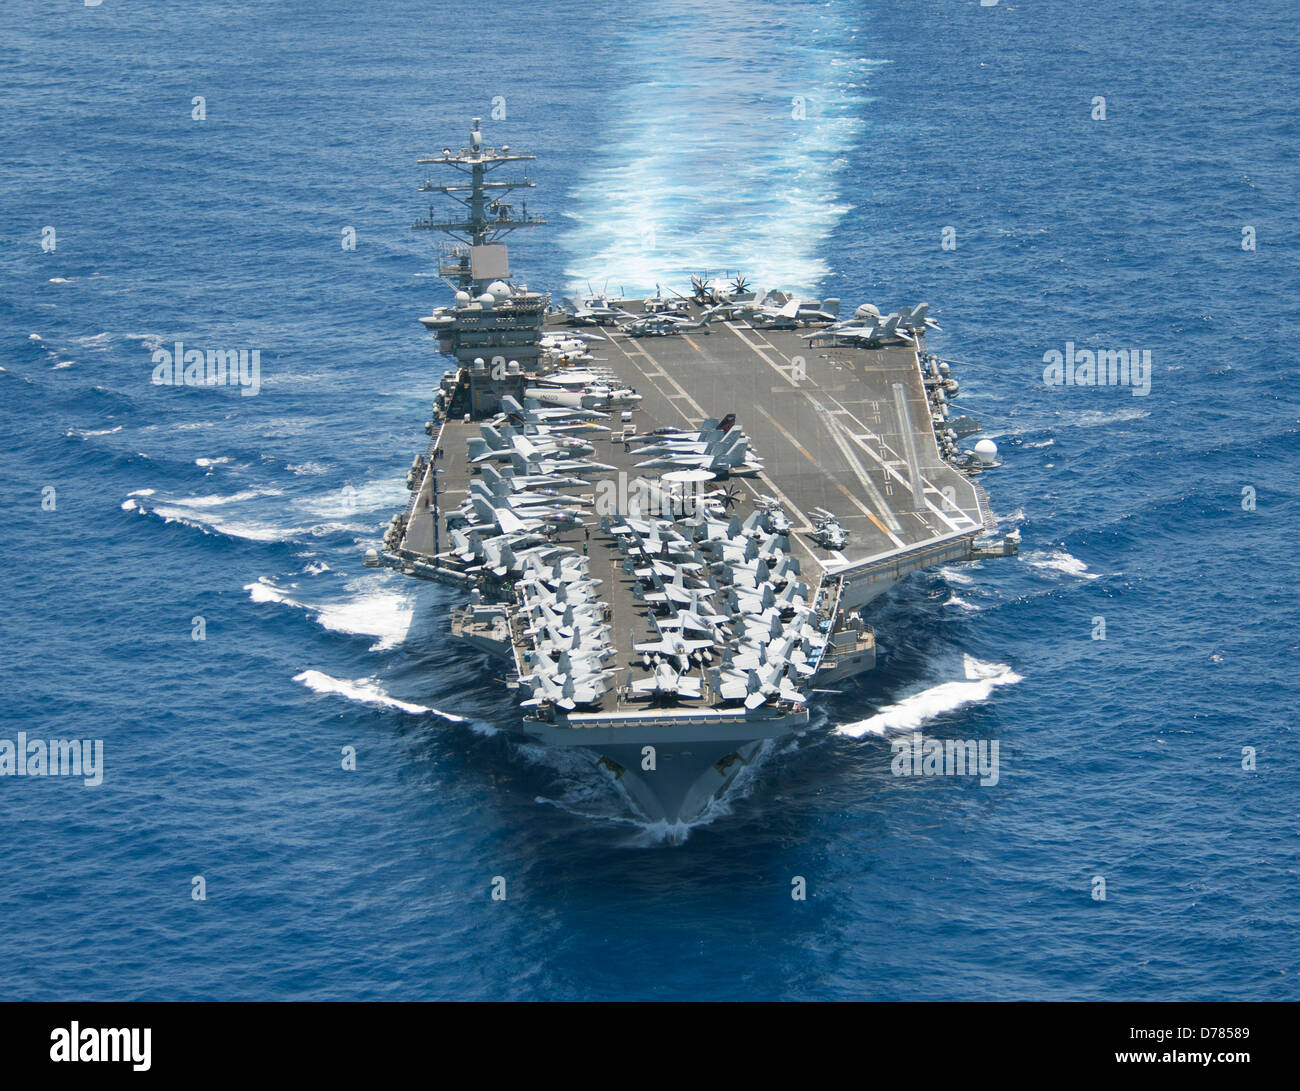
(1093, 418)
(367, 692)
(349, 500)
(267, 592)
(386, 615)
(1059, 561)
(702, 163)
(217, 501)
(209, 523)
(389, 616)
(981, 679)
(89, 433)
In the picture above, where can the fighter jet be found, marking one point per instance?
(502, 514)
(755, 686)
(665, 323)
(913, 319)
(596, 312)
(667, 683)
(532, 412)
(688, 621)
(562, 466)
(723, 457)
(567, 694)
(670, 592)
(867, 334)
(498, 493)
(794, 313)
(674, 647)
(780, 311)
(504, 480)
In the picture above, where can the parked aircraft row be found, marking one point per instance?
(570, 640)
(868, 329)
(669, 314)
(727, 605)
(718, 446)
(592, 388)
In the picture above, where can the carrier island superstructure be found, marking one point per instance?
(667, 514)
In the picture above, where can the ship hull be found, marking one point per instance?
(671, 773)
(684, 782)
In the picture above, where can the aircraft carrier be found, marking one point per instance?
(668, 513)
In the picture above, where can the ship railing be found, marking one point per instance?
(987, 517)
(686, 719)
(434, 443)
(823, 658)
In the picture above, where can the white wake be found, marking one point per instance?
(724, 148)
(367, 691)
(979, 681)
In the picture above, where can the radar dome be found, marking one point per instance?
(499, 288)
(462, 297)
(986, 451)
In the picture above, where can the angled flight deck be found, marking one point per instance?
(845, 429)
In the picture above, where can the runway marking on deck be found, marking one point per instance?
(865, 510)
(860, 472)
(859, 440)
(883, 529)
(890, 468)
(758, 351)
(693, 403)
(775, 490)
(789, 438)
(833, 428)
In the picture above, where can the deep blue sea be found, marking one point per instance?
(666, 143)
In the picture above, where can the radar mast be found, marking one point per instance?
(477, 257)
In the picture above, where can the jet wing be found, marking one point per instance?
(509, 522)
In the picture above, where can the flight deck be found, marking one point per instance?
(845, 429)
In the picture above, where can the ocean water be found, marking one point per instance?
(667, 142)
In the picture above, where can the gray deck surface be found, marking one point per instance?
(829, 430)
